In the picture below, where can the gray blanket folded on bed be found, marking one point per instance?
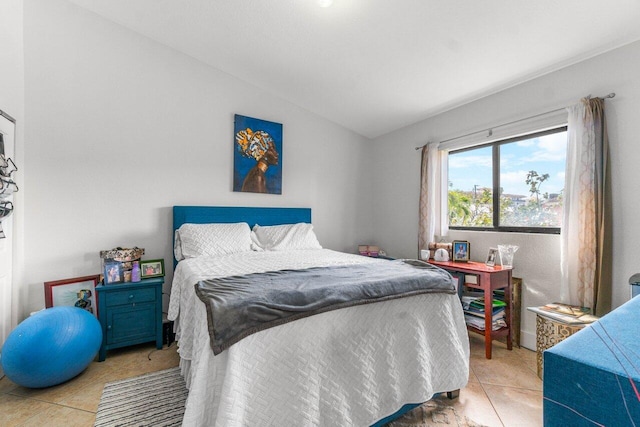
(238, 306)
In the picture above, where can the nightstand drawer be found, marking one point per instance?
(130, 296)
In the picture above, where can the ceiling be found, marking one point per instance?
(374, 66)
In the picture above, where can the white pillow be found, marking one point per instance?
(284, 237)
(194, 240)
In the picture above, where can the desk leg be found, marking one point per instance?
(488, 315)
(509, 300)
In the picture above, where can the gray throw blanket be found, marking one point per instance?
(238, 306)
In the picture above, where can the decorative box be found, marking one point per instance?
(126, 256)
(435, 246)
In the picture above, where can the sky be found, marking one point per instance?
(545, 154)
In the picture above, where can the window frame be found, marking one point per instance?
(495, 156)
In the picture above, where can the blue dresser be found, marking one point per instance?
(589, 378)
(130, 313)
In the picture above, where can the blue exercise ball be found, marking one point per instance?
(51, 347)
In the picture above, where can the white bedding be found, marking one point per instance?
(351, 366)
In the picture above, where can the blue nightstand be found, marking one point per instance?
(130, 313)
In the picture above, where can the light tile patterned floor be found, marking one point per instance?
(75, 402)
(503, 391)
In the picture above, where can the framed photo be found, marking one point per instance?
(461, 249)
(491, 257)
(113, 272)
(152, 268)
(77, 292)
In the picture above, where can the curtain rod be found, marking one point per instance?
(490, 130)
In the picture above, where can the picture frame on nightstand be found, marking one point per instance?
(113, 272)
(152, 268)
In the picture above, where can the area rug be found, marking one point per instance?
(155, 399)
(433, 413)
(158, 398)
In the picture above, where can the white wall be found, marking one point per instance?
(122, 128)
(395, 206)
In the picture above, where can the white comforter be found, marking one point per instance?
(346, 367)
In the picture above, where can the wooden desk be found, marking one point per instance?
(489, 279)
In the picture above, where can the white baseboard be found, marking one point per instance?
(528, 340)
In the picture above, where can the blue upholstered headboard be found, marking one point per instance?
(229, 214)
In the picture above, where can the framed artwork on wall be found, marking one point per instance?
(76, 292)
(257, 158)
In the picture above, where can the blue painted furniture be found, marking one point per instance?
(588, 377)
(130, 313)
(232, 214)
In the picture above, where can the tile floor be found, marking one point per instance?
(503, 391)
(75, 402)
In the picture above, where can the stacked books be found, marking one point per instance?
(565, 313)
(499, 294)
(474, 312)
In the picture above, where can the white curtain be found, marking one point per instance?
(585, 240)
(432, 210)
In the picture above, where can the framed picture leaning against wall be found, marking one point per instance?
(76, 292)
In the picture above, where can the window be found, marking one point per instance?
(509, 185)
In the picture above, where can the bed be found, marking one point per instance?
(359, 365)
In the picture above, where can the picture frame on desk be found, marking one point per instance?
(75, 292)
(491, 257)
(461, 250)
